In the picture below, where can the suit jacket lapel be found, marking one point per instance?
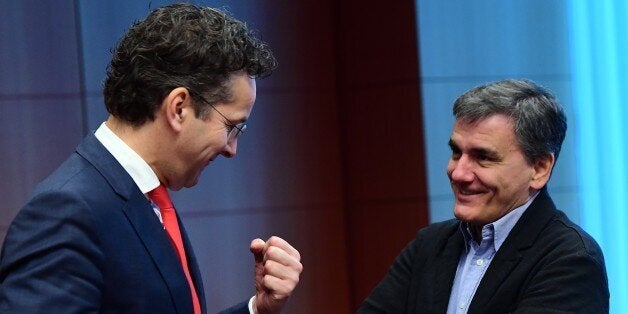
(143, 219)
(150, 231)
(522, 236)
(447, 264)
(193, 265)
(95, 153)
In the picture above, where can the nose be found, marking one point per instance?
(460, 170)
(230, 149)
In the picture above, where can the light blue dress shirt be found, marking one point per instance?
(476, 258)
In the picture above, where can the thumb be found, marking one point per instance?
(258, 247)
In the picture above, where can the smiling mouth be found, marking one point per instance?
(462, 191)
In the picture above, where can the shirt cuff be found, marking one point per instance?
(251, 305)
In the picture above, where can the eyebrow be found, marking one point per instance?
(491, 154)
(476, 151)
(452, 144)
(240, 121)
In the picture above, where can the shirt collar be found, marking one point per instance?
(141, 173)
(500, 228)
(504, 225)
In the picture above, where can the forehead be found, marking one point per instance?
(243, 88)
(243, 94)
(495, 131)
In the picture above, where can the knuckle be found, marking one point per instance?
(267, 280)
(272, 252)
(299, 267)
(273, 239)
(270, 266)
(294, 280)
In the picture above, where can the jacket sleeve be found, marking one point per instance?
(391, 294)
(50, 260)
(240, 308)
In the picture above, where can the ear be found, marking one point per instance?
(542, 171)
(177, 106)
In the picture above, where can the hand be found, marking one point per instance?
(277, 270)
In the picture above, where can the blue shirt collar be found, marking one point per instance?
(499, 229)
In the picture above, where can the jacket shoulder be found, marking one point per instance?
(569, 238)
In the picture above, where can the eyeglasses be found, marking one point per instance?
(234, 130)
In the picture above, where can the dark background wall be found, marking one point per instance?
(332, 160)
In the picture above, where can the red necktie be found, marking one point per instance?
(160, 197)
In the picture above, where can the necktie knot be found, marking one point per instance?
(160, 197)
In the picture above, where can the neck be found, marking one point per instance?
(476, 232)
(142, 140)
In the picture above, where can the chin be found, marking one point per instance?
(192, 182)
(465, 213)
(175, 187)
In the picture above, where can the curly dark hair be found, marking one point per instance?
(181, 45)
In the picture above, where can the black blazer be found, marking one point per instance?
(89, 241)
(547, 264)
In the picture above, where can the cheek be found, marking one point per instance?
(215, 142)
(489, 179)
(218, 141)
(505, 186)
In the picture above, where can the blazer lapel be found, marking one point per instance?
(95, 153)
(502, 265)
(143, 219)
(193, 266)
(522, 236)
(149, 230)
(447, 264)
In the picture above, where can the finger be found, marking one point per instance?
(283, 272)
(280, 288)
(258, 248)
(277, 254)
(283, 244)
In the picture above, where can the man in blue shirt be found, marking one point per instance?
(509, 249)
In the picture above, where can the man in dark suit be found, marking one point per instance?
(509, 249)
(100, 234)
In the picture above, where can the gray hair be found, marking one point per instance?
(539, 120)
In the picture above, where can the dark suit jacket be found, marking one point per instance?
(89, 241)
(547, 264)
